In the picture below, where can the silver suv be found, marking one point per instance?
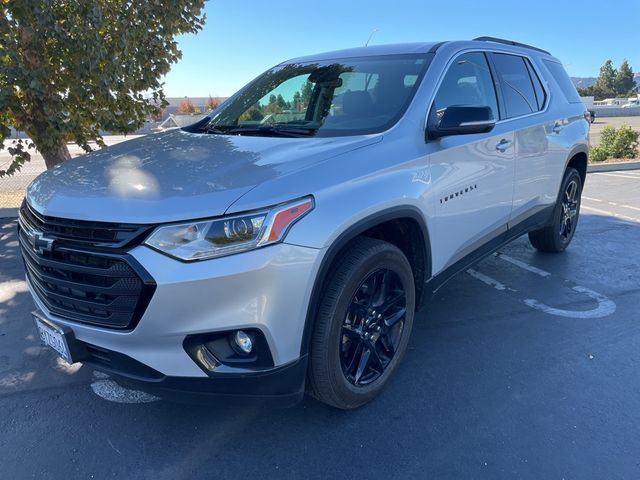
(284, 243)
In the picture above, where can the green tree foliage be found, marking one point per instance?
(624, 82)
(297, 102)
(611, 82)
(606, 80)
(305, 94)
(278, 104)
(282, 103)
(621, 142)
(71, 68)
(253, 114)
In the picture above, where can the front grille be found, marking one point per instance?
(85, 285)
(82, 232)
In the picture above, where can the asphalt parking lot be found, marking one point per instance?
(527, 366)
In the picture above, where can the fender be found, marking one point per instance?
(393, 213)
(580, 148)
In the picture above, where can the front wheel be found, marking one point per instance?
(558, 235)
(363, 324)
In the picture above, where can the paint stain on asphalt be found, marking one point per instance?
(109, 390)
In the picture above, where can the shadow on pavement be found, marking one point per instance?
(24, 363)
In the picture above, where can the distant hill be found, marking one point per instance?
(583, 82)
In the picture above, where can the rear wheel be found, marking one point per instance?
(558, 235)
(363, 324)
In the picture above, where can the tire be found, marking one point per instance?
(557, 236)
(369, 274)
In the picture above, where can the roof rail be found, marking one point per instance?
(509, 42)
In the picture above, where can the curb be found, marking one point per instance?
(612, 167)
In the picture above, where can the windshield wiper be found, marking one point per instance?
(214, 129)
(273, 131)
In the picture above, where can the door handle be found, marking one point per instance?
(503, 145)
(557, 128)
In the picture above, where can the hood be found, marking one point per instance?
(175, 175)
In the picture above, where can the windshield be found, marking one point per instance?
(328, 98)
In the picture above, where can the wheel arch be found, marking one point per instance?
(578, 158)
(371, 226)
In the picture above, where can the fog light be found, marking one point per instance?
(243, 341)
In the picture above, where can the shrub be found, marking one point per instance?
(621, 142)
(598, 154)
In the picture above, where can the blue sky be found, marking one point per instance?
(241, 39)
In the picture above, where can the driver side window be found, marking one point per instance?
(468, 82)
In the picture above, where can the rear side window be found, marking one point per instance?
(563, 81)
(516, 85)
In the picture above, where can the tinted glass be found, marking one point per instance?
(326, 98)
(515, 83)
(563, 81)
(537, 86)
(467, 82)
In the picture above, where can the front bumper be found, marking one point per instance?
(267, 289)
(281, 386)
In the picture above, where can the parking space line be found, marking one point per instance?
(523, 265)
(619, 175)
(615, 204)
(486, 279)
(631, 207)
(611, 214)
(605, 305)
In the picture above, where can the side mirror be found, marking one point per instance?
(460, 120)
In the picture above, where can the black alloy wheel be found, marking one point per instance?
(372, 328)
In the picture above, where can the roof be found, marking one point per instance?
(420, 47)
(372, 50)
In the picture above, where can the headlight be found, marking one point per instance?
(203, 239)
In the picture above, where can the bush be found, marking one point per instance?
(619, 142)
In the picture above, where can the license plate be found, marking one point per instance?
(53, 336)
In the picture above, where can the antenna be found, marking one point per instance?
(370, 35)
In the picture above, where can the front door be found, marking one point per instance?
(472, 174)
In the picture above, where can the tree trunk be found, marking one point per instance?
(56, 155)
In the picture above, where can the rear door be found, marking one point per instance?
(523, 98)
(472, 174)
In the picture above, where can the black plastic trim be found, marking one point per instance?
(509, 42)
(394, 213)
(219, 344)
(435, 47)
(131, 234)
(502, 108)
(282, 386)
(143, 296)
